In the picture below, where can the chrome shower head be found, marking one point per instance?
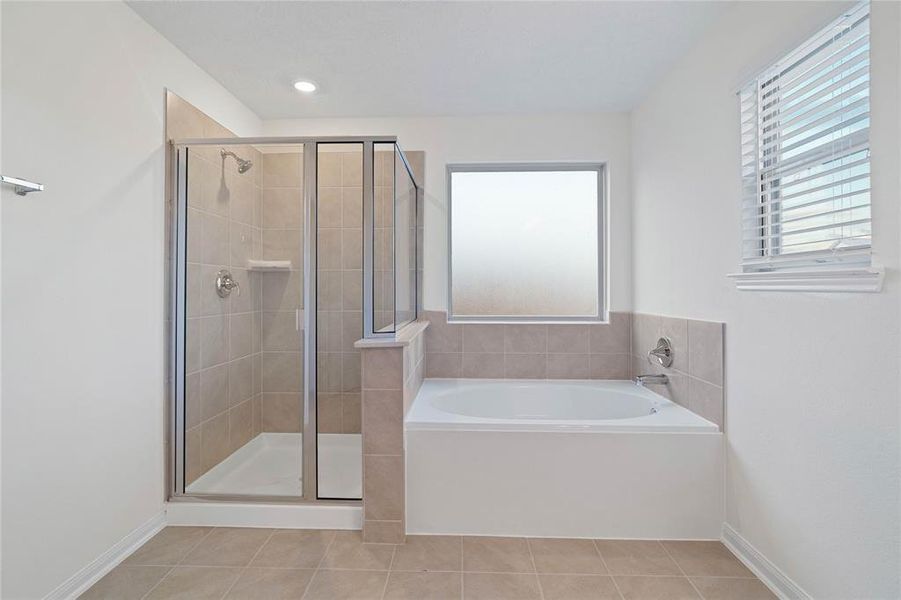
(243, 165)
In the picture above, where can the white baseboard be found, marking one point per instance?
(103, 564)
(215, 514)
(278, 516)
(778, 582)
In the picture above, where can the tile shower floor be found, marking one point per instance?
(259, 564)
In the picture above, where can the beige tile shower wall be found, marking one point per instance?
(528, 351)
(281, 344)
(340, 290)
(696, 375)
(222, 381)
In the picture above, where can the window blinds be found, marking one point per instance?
(806, 153)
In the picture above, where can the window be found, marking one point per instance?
(526, 242)
(805, 125)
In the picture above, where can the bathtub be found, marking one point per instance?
(594, 459)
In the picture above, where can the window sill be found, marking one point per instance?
(857, 279)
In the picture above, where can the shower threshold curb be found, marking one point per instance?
(275, 516)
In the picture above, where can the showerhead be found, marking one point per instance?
(243, 165)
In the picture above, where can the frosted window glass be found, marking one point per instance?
(525, 244)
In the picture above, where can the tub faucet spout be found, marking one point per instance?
(653, 379)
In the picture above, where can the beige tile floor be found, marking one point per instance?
(262, 564)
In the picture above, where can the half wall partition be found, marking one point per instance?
(284, 252)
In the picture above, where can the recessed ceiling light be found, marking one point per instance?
(305, 86)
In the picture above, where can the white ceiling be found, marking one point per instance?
(432, 58)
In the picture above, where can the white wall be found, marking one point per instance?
(812, 384)
(82, 330)
(595, 137)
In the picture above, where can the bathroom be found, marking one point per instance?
(450, 300)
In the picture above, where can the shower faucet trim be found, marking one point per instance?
(225, 283)
(651, 379)
(243, 164)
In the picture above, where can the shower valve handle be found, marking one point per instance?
(662, 354)
(225, 283)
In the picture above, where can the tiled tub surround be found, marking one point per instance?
(614, 350)
(340, 289)
(281, 291)
(414, 363)
(391, 379)
(222, 364)
(529, 351)
(696, 375)
(201, 562)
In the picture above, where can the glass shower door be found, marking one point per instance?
(405, 242)
(394, 241)
(266, 397)
(239, 324)
(339, 319)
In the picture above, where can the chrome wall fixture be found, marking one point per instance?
(243, 165)
(225, 283)
(662, 354)
(22, 186)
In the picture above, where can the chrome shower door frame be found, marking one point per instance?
(177, 299)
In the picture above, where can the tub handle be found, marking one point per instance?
(662, 354)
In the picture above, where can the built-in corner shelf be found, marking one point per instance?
(268, 265)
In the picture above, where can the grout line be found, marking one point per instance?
(195, 546)
(171, 568)
(178, 562)
(245, 567)
(607, 568)
(535, 568)
(462, 566)
(319, 564)
(681, 570)
(688, 374)
(219, 414)
(388, 572)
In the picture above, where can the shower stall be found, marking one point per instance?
(284, 252)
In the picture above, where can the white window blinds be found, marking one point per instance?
(805, 125)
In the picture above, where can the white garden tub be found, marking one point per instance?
(560, 458)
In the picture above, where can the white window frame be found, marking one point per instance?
(600, 168)
(842, 270)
